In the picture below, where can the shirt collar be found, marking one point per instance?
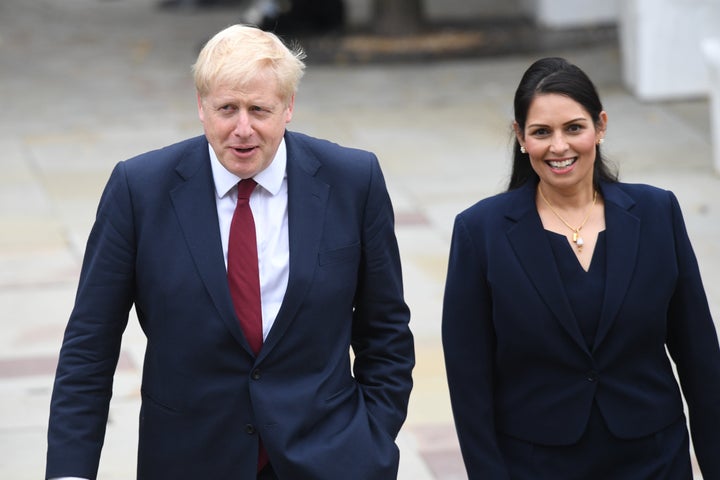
(270, 179)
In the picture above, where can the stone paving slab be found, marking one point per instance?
(86, 83)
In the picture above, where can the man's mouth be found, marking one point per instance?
(243, 149)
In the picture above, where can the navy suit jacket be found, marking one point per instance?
(205, 397)
(516, 360)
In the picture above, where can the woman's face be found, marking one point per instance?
(560, 139)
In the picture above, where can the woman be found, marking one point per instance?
(562, 295)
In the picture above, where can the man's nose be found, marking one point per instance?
(243, 126)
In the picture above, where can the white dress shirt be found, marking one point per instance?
(268, 203)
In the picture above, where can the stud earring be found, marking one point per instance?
(600, 141)
(522, 149)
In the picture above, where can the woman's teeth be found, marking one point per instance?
(562, 163)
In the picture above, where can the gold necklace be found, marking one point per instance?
(576, 238)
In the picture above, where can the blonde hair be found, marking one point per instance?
(239, 53)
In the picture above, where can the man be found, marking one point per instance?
(223, 398)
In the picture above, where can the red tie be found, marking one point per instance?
(244, 277)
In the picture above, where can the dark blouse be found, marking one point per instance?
(585, 290)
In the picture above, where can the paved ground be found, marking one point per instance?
(86, 83)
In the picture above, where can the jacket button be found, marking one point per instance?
(592, 376)
(249, 429)
(255, 374)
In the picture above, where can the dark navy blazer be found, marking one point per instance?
(205, 397)
(516, 360)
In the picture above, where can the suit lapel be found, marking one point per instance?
(528, 240)
(307, 200)
(194, 204)
(623, 240)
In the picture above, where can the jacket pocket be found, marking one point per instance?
(348, 253)
(159, 404)
(347, 390)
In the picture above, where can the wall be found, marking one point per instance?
(660, 42)
(573, 13)
(360, 11)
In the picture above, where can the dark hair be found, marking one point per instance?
(555, 75)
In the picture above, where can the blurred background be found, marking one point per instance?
(426, 84)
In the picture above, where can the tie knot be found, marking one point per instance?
(246, 187)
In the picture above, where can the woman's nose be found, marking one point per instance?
(558, 144)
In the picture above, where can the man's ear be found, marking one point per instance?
(289, 109)
(201, 113)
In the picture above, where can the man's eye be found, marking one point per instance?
(227, 109)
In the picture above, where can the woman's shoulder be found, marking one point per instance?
(640, 188)
(489, 209)
(638, 193)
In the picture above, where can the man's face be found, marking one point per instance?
(245, 125)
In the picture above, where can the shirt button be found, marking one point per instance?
(592, 376)
(249, 429)
(255, 374)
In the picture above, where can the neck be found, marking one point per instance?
(569, 199)
(561, 215)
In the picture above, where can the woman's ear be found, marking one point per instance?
(602, 125)
(518, 133)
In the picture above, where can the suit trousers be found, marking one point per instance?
(599, 455)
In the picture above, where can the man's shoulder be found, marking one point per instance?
(321, 147)
(330, 161)
(168, 156)
(159, 169)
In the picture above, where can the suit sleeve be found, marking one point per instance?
(693, 344)
(381, 338)
(469, 344)
(91, 345)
